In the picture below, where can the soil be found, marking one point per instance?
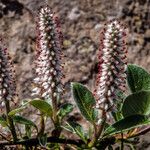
(81, 22)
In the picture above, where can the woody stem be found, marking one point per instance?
(10, 121)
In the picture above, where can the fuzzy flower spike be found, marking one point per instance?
(7, 82)
(112, 65)
(48, 69)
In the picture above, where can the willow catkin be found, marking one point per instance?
(48, 69)
(7, 81)
(112, 65)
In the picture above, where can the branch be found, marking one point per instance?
(141, 132)
(35, 141)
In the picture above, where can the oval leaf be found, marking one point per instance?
(17, 110)
(138, 78)
(65, 109)
(127, 124)
(43, 106)
(22, 120)
(137, 103)
(85, 101)
(76, 128)
(25, 102)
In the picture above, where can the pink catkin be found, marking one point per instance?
(48, 80)
(111, 78)
(7, 80)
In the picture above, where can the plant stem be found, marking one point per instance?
(10, 121)
(42, 126)
(54, 105)
(122, 142)
(98, 130)
(78, 142)
(57, 131)
(93, 141)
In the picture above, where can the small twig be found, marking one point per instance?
(140, 133)
(4, 137)
(122, 142)
(10, 121)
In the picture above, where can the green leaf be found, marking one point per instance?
(43, 106)
(85, 101)
(17, 110)
(65, 109)
(138, 78)
(3, 121)
(76, 128)
(25, 102)
(43, 140)
(24, 121)
(127, 124)
(137, 103)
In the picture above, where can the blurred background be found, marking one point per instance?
(81, 22)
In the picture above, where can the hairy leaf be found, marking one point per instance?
(85, 101)
(127, 124)
(138, 78)
(65, 109)
(76, 128)
(22, 120)
(43, 106)
(137, 103)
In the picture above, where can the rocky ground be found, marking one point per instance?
(81, 22)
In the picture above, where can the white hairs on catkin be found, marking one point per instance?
(7, 80)
(48, 69)
(112, 65)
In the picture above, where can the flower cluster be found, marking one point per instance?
(7, 82)
(48, 69)
(112, 65)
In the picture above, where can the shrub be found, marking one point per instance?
(117, 112)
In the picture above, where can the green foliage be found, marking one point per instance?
(76, 128)
(127, 124)
(43, 140)
(133, 111)
(64, 110)
(18, 110)
(15, 111)
(138, 78)
(85, 101)
(24, 121)
(44, 107)
(3, 121)
(137, 103)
